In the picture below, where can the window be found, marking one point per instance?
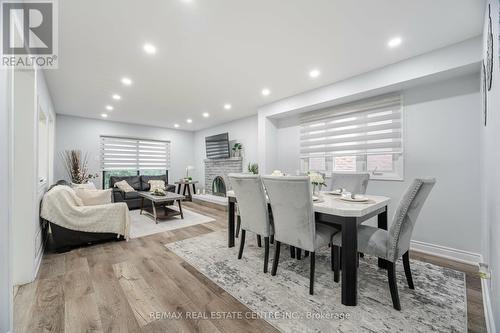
(361, 136)
(130, 156)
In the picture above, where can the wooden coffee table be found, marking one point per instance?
(159, 210)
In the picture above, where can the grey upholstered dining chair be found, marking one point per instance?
(391, 245)
(354, 182)
(292, 206)
(253, 210)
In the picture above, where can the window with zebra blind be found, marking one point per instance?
(362, 136)
(122, 156)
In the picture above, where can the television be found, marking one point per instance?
(217, 146)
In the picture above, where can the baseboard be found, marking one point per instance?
(446, 252)
(488, 311)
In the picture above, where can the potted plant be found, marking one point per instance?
(237, 149)
(76, 165)
(253, 168)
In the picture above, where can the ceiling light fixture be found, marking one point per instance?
(394, 42)
(176, 125)
(126, 81)
(104, 115)
(109, 108)
(189, 120)
(116, 97)
(227, 106)
(206, 114)
(266, 92)
(314, 73)
(149, 48)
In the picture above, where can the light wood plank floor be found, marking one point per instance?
(114, 287)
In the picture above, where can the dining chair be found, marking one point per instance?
(253, 210)
(293, 215)
(394, 243)
(354, 182)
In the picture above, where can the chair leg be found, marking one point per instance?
(306, 254)
(259, 241)
(271, 240)
(276, 258)
(292, 252)
(299, 253)
(361, 255)
(336, 263)
(391, 274)
(266, 253)
(238, 225)
(311, 273)
(242, 243)
(406, 265)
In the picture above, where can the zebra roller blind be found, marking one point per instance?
(367, 127)
(118, 153)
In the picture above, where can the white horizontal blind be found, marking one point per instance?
(119, 153)
(371, 126)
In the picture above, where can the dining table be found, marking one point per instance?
(345, 216)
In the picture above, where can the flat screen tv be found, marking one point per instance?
(217, 146)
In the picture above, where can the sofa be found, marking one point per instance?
(139, 183)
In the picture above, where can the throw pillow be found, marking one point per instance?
(156, 184)
(94, 197)
(124, 186)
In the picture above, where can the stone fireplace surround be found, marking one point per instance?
(221, 167)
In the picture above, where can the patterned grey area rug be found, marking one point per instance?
(437, 304)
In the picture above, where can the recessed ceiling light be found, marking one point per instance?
(176, 125)
(116, 97)
(126, 81)
(104, 115)
(227, 106)
(206, 114)
(314, 73)
(394, 42)
(189, 120)
(149, 48)
(266, 92)
(109, 108)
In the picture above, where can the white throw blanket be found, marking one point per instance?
(63, 207)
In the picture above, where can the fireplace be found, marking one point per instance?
(219, 186)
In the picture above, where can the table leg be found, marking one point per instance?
(184, 190)
(349, 262)
(180, 209)
(230, 224)
(194, 189)
(382, 224)
(179, 189)
(189, 193)
(154, 212)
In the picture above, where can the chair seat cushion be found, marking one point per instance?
(371, 240)
(324, 234)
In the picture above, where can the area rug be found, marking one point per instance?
(437, 304)
(143, 225)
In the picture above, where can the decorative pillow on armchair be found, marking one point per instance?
(156, 184)
(124, 186)
(91, 197)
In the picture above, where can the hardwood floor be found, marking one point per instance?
(114, 287)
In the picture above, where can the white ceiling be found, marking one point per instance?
(212, 52)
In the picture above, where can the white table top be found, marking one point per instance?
(333, 205)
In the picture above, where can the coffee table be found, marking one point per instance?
(161, 208)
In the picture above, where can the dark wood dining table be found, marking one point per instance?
(344, 215)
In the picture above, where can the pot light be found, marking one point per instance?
(227, 106)
(314, 73)
(394, 42)
(149, 48)
(189, 120)
(206, 114)
(116, 97)
(266, 92)
(109, 108)
(126, 81)
(104, 115)
(176, 125)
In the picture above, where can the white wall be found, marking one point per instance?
(490, 179)
(83, 134)
(243, 131)
(441, 140)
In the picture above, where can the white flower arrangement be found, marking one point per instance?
(316, 179)
(277, 173)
